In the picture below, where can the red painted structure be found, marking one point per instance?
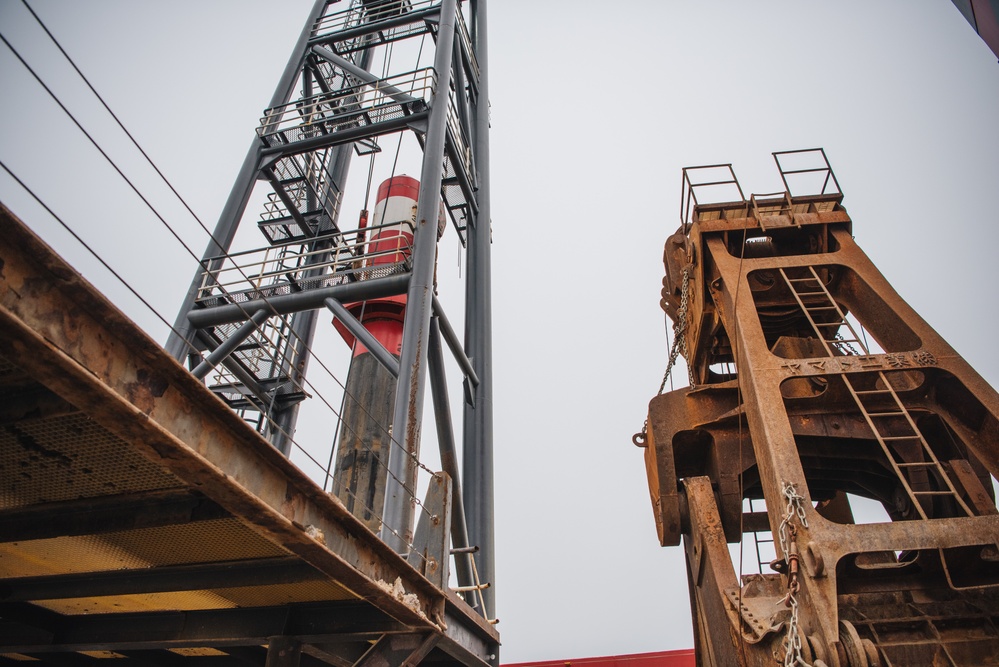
(391, 242)
(681, 658)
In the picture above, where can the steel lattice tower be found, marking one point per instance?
(249, 319)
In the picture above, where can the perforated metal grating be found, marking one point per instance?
(70, 457)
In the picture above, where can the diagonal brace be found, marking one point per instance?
(229, 345)
(361, 332)
(364, 75)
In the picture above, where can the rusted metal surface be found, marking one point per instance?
(814, 379)
(96, 372)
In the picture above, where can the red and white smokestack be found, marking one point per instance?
(389, 234)
(362, 450)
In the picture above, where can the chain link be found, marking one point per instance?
(786, 534)
(679, 333)
(679, 348)
(843, 345)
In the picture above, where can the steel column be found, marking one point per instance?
(478, 425)
(397, 528)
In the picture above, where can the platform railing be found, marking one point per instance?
(707, 184)
(297, 267)
(357, 14)
(807, 173)
(359, 104)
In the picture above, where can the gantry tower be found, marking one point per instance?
(362, 74)
(816, 396)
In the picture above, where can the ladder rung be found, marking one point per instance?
(934, 493)
(918, 465)
(813, 308)
(887, 438)
(871, 391)
(886, 414)
(802, 280)
(810, 293)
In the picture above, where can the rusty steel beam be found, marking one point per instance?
(70, 338)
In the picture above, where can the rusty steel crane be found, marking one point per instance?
(815, 389)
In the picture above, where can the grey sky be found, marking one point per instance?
(596, 107)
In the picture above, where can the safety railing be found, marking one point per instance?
(404, 15)
(807, 173)
(327, 260)
(355, 105)
(708, 184)
(457, 137)
(466, 41)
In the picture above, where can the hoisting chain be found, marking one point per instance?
(843, 344)
(679, 347)
(787, 534)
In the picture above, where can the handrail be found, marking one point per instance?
(807, 156)
(288, 263)
(323, 112)
(688, 195)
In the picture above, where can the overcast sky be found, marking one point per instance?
(596, 107)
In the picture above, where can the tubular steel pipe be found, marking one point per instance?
(364, 75)
(230, 344)
(298, 301)
(455, 345)
(397, 529)
(477, 460)
(354, 326)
